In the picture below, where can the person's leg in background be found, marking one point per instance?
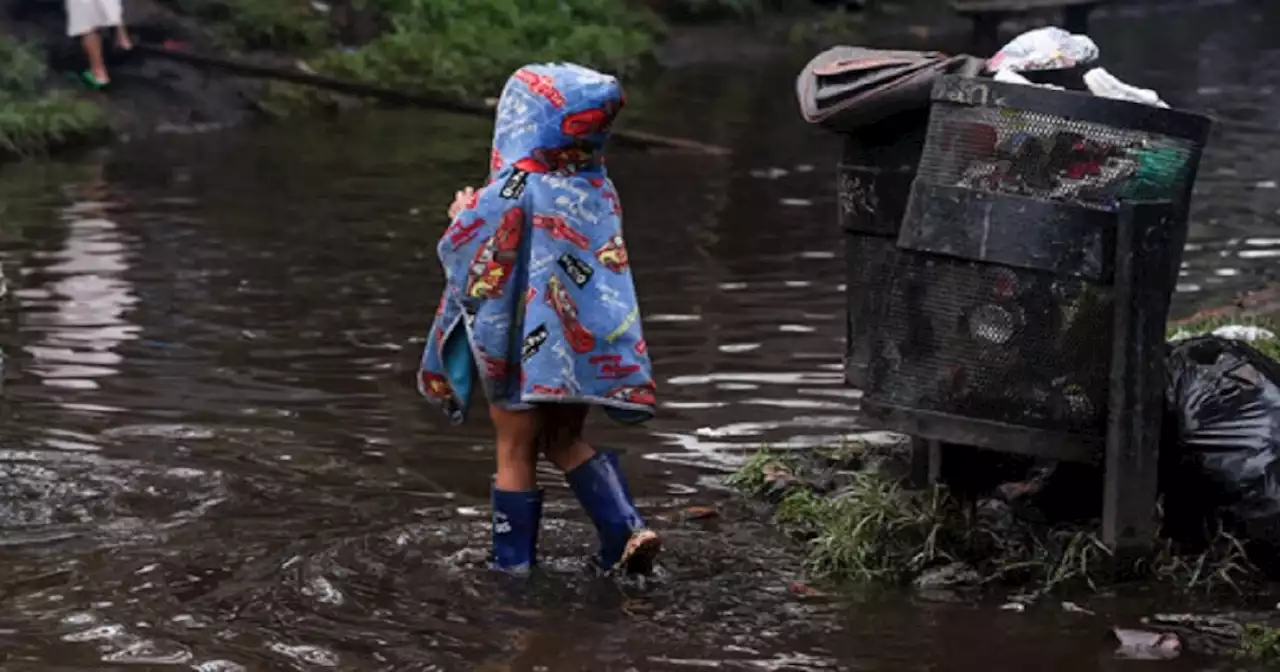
(91, 42)
(598, 483)
(122, 38)
(114, 17)
(517, 500)
(84, 17)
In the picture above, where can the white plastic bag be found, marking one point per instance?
(1104, 85)
(1049, 48)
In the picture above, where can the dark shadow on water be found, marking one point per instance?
(212, 455)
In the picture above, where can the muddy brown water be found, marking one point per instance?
(212, 457)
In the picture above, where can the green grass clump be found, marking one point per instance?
(707, 10)
(876, 531)
(33, 118)
(457, 47)
(56, 119)
(828, 28)
(871, 529)
(24, 72)
(1267, 346)
(290, 26)
(471, 47)
(1224, 563)
(1259, 643)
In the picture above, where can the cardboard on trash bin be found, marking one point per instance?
(846, 88)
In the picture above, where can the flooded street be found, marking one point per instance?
(212, 455)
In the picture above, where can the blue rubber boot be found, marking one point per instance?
(516, 518)
(625, 543)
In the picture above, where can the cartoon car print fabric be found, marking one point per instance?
(539, 305)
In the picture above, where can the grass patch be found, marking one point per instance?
(713, 10)
(33, 118)
(470, 48)
(867, 528)
(828, 28)
(1267, 346)
(1259, 643)
(289, 26)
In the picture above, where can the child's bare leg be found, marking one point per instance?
(561, 439)
(517, 450)
(517, 501)
(598, 483)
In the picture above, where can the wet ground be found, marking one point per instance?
(213, 457)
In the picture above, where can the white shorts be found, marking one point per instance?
(85, 16)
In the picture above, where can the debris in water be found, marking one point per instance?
(798, 588)
(948, 576)
(1244, 332)
(796, 202)
(1014, 606)
(700, 513)
(1144, 645)
(1266, 184)
(1076, 609)
(768, 173)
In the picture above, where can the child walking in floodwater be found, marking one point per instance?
(539, 311)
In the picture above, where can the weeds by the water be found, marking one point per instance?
(1259, 643)
(277, 25)
(871, 529)
(1223, 564)
(715, 9)
(34, 118)
(1267, 346)
(471, 48)
(829, 28)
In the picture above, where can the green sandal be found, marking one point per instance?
(93, 82)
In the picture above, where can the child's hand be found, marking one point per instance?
(460, 201)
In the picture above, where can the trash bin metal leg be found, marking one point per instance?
(1136, 402)
(926, 461)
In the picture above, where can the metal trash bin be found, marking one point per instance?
(1027, 302)
(874, 177)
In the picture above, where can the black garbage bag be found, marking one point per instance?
(1221, 443)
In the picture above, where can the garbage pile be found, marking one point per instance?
(1220, 449)
(1037, 52)
(849, 89)
(1054, 158)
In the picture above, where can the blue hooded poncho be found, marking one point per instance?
(539, 305)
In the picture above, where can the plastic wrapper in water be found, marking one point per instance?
(1047, 48)
(1221, 443)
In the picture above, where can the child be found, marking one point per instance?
(540, 310)
(84, 19)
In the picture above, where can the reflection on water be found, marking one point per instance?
(213, 457)
(79, 312)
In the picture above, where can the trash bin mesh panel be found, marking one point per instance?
(1039, 155)
(990, 342)
(870, 260)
